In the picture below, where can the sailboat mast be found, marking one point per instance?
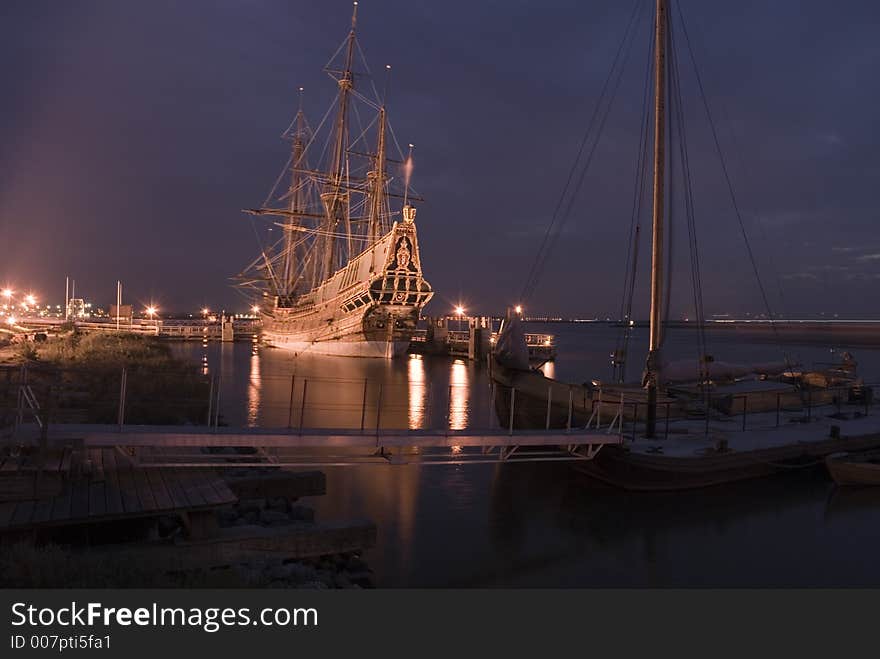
(290, 264)
(334, 198)
(653, 365)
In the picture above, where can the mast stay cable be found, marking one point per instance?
(730, 189)
(606, 98)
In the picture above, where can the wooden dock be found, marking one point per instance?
(103, 485)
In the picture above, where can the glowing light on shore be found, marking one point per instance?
(255, 309)
(151, 311)
(206, 311)
(459, 310)
(30, 300)
(7, 293)
(518, 308)
(10, 320)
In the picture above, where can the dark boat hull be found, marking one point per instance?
(655, 472)
(526, 394)
(856, 470)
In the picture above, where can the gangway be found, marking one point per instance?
(193, 446)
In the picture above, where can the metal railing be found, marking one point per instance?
(125, 397)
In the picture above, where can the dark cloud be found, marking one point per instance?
(132, 133)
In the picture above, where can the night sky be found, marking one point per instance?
(133, 133)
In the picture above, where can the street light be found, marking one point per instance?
(30, 299)
(255, 309)
(518, 309)
(7, 293)
(459, 311)
(151, 311)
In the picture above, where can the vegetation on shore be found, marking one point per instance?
(79, 377)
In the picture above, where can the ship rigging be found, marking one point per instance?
(345, 276)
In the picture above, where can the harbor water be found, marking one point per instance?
(542, 524)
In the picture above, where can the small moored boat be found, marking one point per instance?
(854, 468)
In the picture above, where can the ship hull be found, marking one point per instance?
(346, 347)
(362, 310)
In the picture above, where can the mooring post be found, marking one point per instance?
(19, 403)
(290, 405)
(44, 430)
(123, 377)
(570, 404)
(378, 413)
(210, 402)
(635, 417)
(492, 405)
(302, 407)
(364, 406)
(549, 399)
(217, 406)
(708, 407)
(512, 407)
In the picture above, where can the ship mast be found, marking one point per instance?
(334, 197)
(290, 265)
(378, 176)
(652, 370)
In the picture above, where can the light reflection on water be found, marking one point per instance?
(273, 389)
(542, 524)
(254, 386)
(459, 395)
(418, 391)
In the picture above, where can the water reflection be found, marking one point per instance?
(459, 395)
(253, 391)
(418, 391)
(204, 356)
(541, 524)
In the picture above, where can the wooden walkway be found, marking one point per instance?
(103, 484)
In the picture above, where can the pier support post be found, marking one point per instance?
(364, 406)
(378, 413)
(512, 407)
(492, 404)
(123, 381)
(302, 407)
(290, 405)
(217, 406)
(549, 402)
(570, 405)
(666, 432)
(210, 402)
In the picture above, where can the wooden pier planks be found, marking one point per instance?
(102, 485)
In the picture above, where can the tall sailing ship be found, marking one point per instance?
(345, 276)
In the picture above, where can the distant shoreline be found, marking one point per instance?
(852, 332)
